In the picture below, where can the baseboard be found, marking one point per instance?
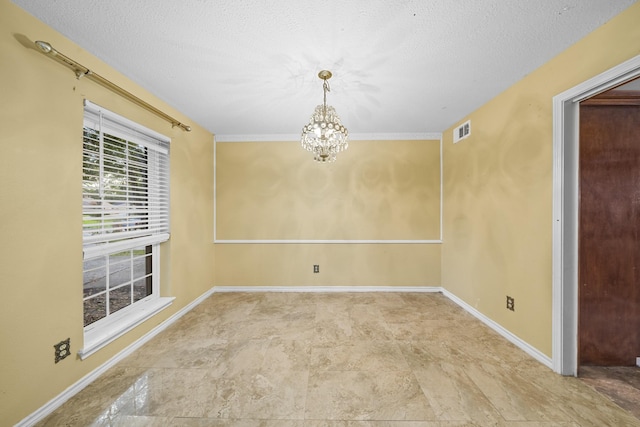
(514, 339)
(75, 388)
(326, 289)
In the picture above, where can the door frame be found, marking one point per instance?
(566, 120)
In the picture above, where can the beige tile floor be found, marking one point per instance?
(339, 360)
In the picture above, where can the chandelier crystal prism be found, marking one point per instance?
(324, 135)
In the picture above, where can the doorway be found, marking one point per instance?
(609, 228)
(566, 108)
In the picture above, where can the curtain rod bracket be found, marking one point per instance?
(80, 74)
(81, 71)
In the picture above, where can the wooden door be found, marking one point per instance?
(609, 234)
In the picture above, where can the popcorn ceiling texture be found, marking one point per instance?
(250, 67)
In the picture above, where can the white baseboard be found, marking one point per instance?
(75, 388)
(56, 402)
(523, 345)
(326, 289)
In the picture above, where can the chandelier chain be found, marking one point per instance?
(326, 88)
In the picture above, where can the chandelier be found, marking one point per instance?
(324, 135)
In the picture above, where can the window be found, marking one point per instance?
(125, 216)
(115, 281)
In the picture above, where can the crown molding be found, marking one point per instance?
(429, 136)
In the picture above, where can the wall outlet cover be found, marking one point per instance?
(62, 349)
(511, 304)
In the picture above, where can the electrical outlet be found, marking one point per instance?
(62, 349)
(316, 268)
(511, 304)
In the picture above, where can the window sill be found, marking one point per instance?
(100, 336)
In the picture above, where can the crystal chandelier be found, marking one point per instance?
(324, 135)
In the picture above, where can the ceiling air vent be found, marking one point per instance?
(462, 131)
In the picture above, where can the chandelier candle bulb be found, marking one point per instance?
(324, 135)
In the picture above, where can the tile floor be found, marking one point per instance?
(338, 360)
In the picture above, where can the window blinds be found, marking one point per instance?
(125, 183)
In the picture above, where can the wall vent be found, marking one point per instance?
(461, 132)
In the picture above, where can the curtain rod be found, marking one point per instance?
(81, 71)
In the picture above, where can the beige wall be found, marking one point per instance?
(498, 187)
(41, 212)
(376, 190)
(340, 264)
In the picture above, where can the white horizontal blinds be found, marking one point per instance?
(125, 183)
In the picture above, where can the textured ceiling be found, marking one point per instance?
(249, 67)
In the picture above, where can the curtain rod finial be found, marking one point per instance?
(45, 47)
(182, 126)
